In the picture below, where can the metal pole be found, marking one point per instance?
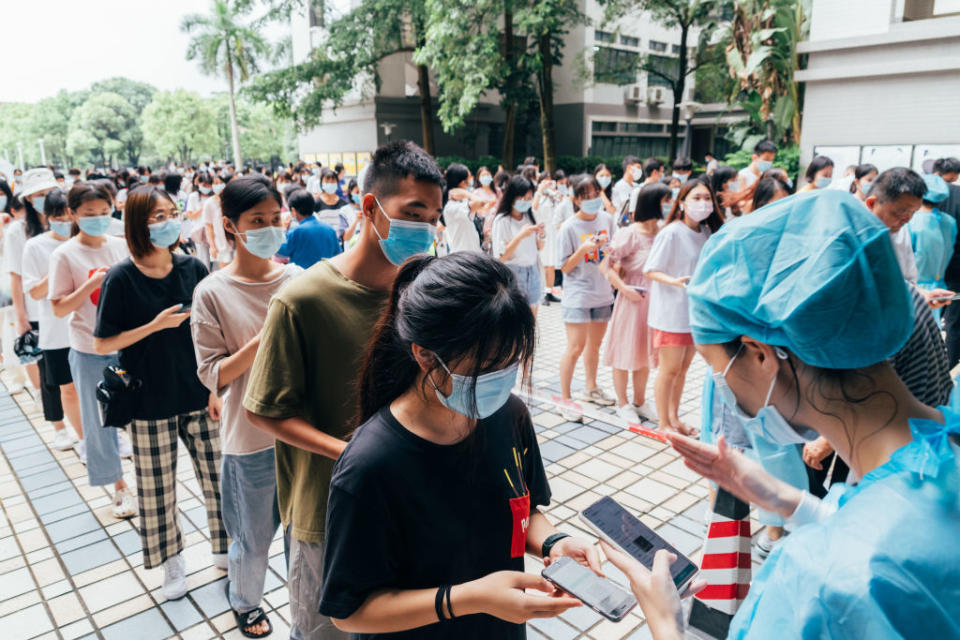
(43, 153)
(20, 154)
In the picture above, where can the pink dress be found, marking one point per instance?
(629, 339)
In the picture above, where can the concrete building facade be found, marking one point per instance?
(602, 106)
(882, 83)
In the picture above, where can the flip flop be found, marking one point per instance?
(249, 619)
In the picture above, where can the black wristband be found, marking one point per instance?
(449, 603)
(550, 541)
(438, 603)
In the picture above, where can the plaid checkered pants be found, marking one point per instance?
(155, 458)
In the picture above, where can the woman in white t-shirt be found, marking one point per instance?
(77, 267)
(460, 232)
(220, 252)
(552, 207)
(695, 215)
(194, 211)
(518, 238)
(60, 396)
(229, 309)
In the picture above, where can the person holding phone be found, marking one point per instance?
(518, 238)
(434, 502)
(797, 354)
(141, 315)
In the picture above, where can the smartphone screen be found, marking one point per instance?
(622, 529)
(601, 595)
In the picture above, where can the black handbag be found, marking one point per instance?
(117, 394)
(27, 347)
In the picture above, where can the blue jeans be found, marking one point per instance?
(103, 455)
(248, 504)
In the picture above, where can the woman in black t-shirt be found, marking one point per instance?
(142, 314)
(440, 485)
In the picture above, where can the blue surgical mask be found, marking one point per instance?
(675, 192)
(205, 190)
(682, 177)
(470, 183)
(163, 234)
(405, 238)
(591, 206)
(3, 202)
(94, 225)
(486, 179)
(37, 202)
(665, 209)
(144, 179)
(315, 172)
(864, 187)
(263, 242)
(603, 181)
(356, 197)
(769, 423)
(637, 173)
(763, 165)
(490, 392)
(329, 187)
(562, 189)
(61, 228)
(823, 182)
(522, 205)
(217, 188)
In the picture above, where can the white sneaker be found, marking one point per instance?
(645, 411)
(627, 414)
(597, 397)
(124, 505)
(220, 561)
(81, 449)
(123, 444)
(764, 544)
(15, 388)
(64, 439)
(569, 411)
(174, 578)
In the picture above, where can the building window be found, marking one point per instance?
(629, 41)
(615, 66)
(665, 65)
(603, 36)
(675, 48)
(656, 45)
(599, 125)
(635, 145)
(641, 127)
(315, 13)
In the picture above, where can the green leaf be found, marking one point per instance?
(756, 60)
(783, 113)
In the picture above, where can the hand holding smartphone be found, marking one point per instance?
(601, 595)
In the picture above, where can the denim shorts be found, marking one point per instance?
(529, 281)
(580, 315)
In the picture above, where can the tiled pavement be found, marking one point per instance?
(69, 570)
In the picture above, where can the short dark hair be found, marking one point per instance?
(338, 167)
(629, 160)
(649, 202)
(559, 175)
(817, 164)
(55, 204)
(301, 201)
(247, 192)
(82, 192)
(766, 190)
(651, 165)
(172, 182)
(517, 187)
(682, 164)
(395, 161)
(327, 175)
(765, 146)
(946, 165)
(583, 182)
(140, 203)
(530, 160)
(452, 177)
(529, 172)
(893, 183)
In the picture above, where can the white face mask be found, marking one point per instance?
(699, 210)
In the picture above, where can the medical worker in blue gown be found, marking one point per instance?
(796, 308)
(932, 235)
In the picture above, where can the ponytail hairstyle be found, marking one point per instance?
(516, 188)
(452, 177)
(464, 305)
(861, 171)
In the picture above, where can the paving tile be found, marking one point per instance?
(211, 598)
(554, 628)
(148, 625)
(90, 557)
(588, 435)
(111, 591)
(651, 490)
(26, 623)
(182, 613)
(598, 470)
(553, 451)
(16, 582)
(66, 609)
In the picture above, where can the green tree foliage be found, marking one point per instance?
(263, 135)
(105, 127)
(138, 94)
(180, 125)
(224, 43)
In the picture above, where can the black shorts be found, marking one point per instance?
(56, 366)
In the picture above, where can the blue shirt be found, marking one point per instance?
(310, 242)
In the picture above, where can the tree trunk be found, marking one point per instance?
(546, 102)
(426, 108)
(234, 129)
(678, 89)
(510, 106)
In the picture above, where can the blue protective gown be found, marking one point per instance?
(885, 565)
(932, 234)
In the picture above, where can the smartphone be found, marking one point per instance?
(623, 530)
(955, 296)
(606, 598)
(639, 289)
(185, 307)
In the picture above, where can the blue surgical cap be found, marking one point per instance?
(815, 273)
(937, 189)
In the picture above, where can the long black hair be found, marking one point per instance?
(464, 305)
(5, 190)
(649, 202)
(32, 222)
(516, 188)
(766, 190)
(452, 177)
(55, 203)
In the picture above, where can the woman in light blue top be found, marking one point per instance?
(932, 236)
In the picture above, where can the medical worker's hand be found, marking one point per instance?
(815, 452)
(737, 474)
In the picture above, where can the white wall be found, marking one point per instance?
(833, 19)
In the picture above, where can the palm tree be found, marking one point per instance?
(223, 43)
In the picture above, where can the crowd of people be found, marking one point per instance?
(339, 358)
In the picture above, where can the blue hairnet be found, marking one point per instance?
(937, 189)
(815, 273)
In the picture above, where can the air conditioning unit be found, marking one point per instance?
(633, 93)
(655, 95)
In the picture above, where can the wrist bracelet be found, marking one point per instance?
(449, 602)
(438, 603)
(549, 543)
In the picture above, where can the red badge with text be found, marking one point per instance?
(520, 508)
(95, 296)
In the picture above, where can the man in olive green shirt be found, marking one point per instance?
(303, 384)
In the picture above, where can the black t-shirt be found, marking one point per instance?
(164, 361)
(406, 513)
(323, 206)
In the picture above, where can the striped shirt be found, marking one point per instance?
(922, 362)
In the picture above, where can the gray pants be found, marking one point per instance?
(304, 579)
